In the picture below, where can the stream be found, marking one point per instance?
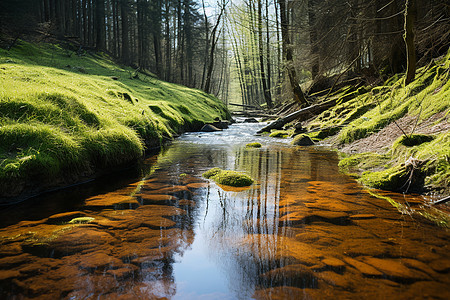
(303, 230)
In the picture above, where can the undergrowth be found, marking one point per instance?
(63, 114)
(415, 161)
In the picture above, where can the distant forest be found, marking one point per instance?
(266, 47)
(169, 38)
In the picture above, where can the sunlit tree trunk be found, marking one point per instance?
(266, 91)
(211, 53)
(410, 18)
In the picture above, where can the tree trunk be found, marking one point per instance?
(288, 56)
(237, 58)
(124, 8)
(180, 43)
(85, 22)
(266, 91)
(302, 114)
(269, 64)
(211, 53)
(205, 64)
(315, 61)
(168, 47)
(100, 43)
(410, 18)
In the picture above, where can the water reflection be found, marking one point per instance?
(303, 230)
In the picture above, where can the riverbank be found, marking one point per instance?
(393, 137)
(67, 115)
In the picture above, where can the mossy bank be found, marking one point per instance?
(65, 116)
(392, 136)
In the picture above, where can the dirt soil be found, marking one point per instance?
(381, 141)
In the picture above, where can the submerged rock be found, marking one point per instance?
(292, 275)
(65, 217)
(395, 269)
(364, 268)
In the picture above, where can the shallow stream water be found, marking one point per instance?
(302, 231)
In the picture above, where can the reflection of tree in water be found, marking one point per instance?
(247, 223)
(243, 228)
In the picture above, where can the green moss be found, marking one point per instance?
(232, 178)
(302, 140)
(56, 120)
(279, 134)
(397, 178)
(429, 94)
(210, 173)
(363, 161)
(436, 154)
(391, 179)
(352, 105)
(438, 217)
(368, 113)
(412, 140)
(81, 220)
(229, 178)
(253, 145)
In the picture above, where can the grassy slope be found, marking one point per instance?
(369, 112)
(63, 116)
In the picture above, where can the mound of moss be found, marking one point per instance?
(413, 140)
(302, 140)
(279, 134)
(229, 178)
(63, 116)
(211, 173)
(253, 145)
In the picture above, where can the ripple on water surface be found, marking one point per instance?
(303, 230)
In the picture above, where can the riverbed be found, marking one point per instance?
(303, 230)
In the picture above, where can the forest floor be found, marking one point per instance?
(68, 115)
(393, 137)
(381, 141)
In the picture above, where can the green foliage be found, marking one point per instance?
(229, 178)
(279, 134)
(253, 145)
(56, 119)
